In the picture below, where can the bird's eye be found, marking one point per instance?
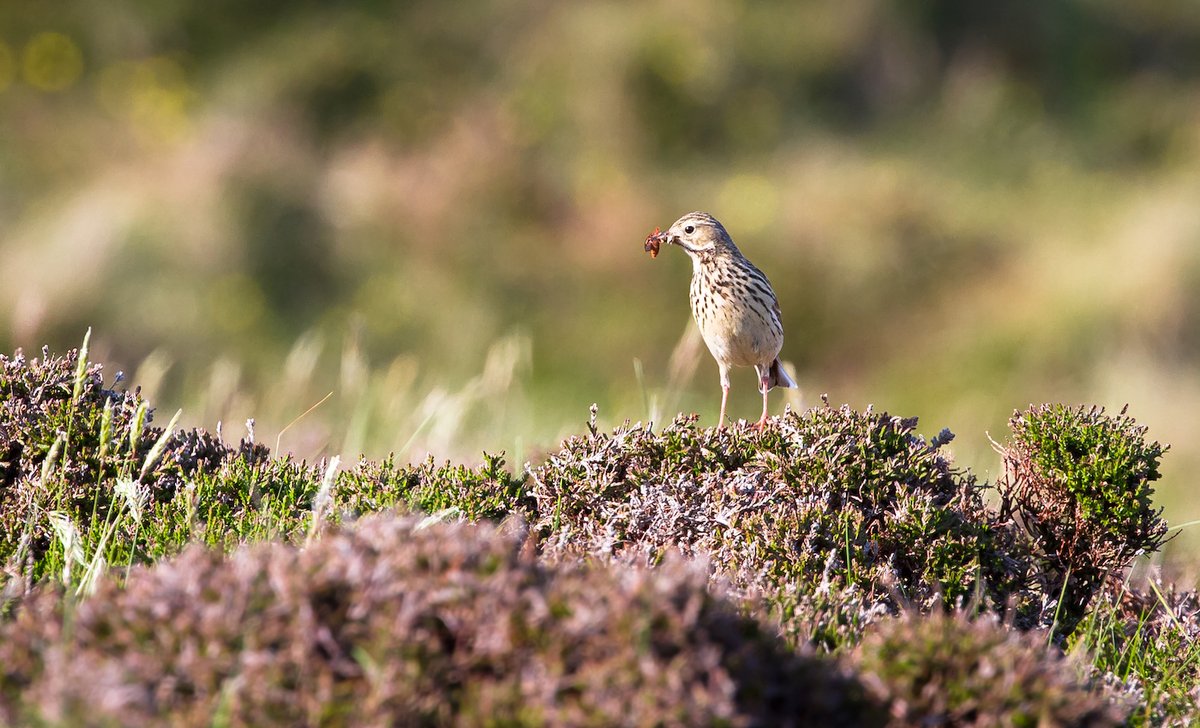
(689, 229)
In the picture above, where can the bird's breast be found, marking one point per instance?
(735, 311)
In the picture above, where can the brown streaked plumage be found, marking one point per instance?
(733, 303)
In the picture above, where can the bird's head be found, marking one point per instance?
(697, 233)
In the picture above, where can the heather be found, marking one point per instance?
(834, 563)
(396, 622)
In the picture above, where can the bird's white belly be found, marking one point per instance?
(736, 336)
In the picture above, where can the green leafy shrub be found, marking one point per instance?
(1078, 482)
(831, 501)
(393, 623)
(941, 669)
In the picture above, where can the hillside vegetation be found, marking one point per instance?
(832, 567)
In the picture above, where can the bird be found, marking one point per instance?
(733, 304)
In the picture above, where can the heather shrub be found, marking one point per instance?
(393, 623)
(66, 443)
(947, 669)
(1078, 482)
(817, 510)
(487, 491)
(288, 500)
(824, 523)
(82, 471)
(238, 502)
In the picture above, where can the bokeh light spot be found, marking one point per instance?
(51, 62)
(152, 94)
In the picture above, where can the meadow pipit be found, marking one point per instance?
(733, 303)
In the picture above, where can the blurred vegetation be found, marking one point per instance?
(948, 670)
(399, 623)
(435, 211)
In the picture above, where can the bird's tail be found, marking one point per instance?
(777, 377)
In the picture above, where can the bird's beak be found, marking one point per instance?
(661, 237)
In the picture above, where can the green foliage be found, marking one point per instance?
(1080, 484)
(488, 491)
(1147, 640)
(831, 499)
(396, 623)
(944, 669)
(237, 503)
(86, 484)
(1104, 463)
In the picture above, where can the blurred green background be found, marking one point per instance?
(434, 212)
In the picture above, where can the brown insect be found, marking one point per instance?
(654, 242)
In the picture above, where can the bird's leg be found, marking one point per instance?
(724, 395)
(764, 388)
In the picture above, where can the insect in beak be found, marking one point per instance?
(654, 241)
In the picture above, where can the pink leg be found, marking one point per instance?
(724, 398)
(763, 386)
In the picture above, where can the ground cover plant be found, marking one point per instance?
(830, 501)
(1080, 483)
(945, 669)
(670, 576)
(397, 623)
